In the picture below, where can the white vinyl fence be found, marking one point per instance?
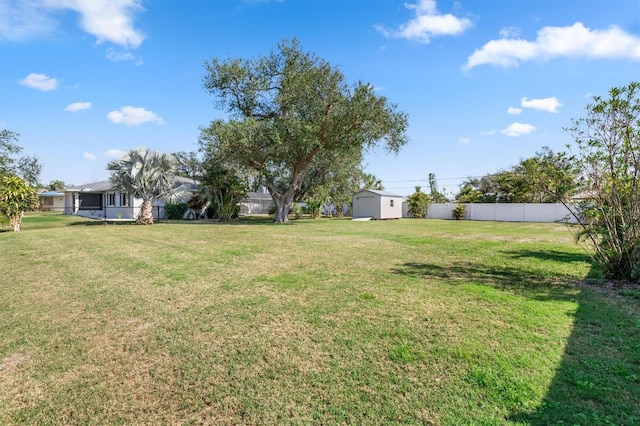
(502, 212)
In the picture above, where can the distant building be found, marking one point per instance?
(51, 200)
(376, 205)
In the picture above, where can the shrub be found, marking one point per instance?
(459, 211)
(296, 210)
(418, 204)
(176, 211)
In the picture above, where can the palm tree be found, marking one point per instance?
(149, 175)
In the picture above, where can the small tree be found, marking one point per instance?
(418, 204)
(223, 187)
(608, 141)
(16, 197)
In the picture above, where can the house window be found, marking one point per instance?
(124, 199)
(390, 203)
(90, 201)
(111, 199)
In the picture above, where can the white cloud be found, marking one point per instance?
(547, 104)
(110, 21)
(488, 132)
(39, 81)
(517, 129)
(88, 156)
(464, 141)
(113, 154)
(133, 116)
(24, 19)
(119, 55)
(427, 23)
(514, 110)
(576, 41)
(78, 106)
(510, 32)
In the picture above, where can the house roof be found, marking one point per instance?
(100, 186)
(382, 193)
(51, 194)
(106, 185)
(258, 196)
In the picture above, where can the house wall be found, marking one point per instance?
(53, 203)
(504, 212)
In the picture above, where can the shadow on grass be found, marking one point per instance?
(538, 284)
(598, 379)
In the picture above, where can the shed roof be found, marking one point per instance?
(382, 193)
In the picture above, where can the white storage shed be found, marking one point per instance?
(376, 205)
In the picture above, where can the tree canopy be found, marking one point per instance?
(547, 177)
(288, 107)
(11, 163)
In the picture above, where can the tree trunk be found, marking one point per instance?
(283, 207)
(16, 221)
(145, 217)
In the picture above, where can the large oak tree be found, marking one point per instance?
(288, 107)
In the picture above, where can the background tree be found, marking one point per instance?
(56, 185)
(189, 165)
(24, 166)
(545, 178)
(418, 204)
(286, 108)
(224, 187)
(435, 195)
(370, 181)
(479, 190)
(608, 143)
(149, 175)
(16, 197)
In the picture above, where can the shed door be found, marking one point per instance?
(366, 206)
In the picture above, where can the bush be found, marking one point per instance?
(214, 213)
(176, 211)
(459, 211)
(296, 211)
(418, 204)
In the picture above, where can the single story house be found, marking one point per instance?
(100, 200)
(51, 200)
(376, 205)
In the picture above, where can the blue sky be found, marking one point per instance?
(485, 83)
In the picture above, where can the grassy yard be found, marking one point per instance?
(316, 322)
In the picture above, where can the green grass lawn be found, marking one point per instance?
(316, 322)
